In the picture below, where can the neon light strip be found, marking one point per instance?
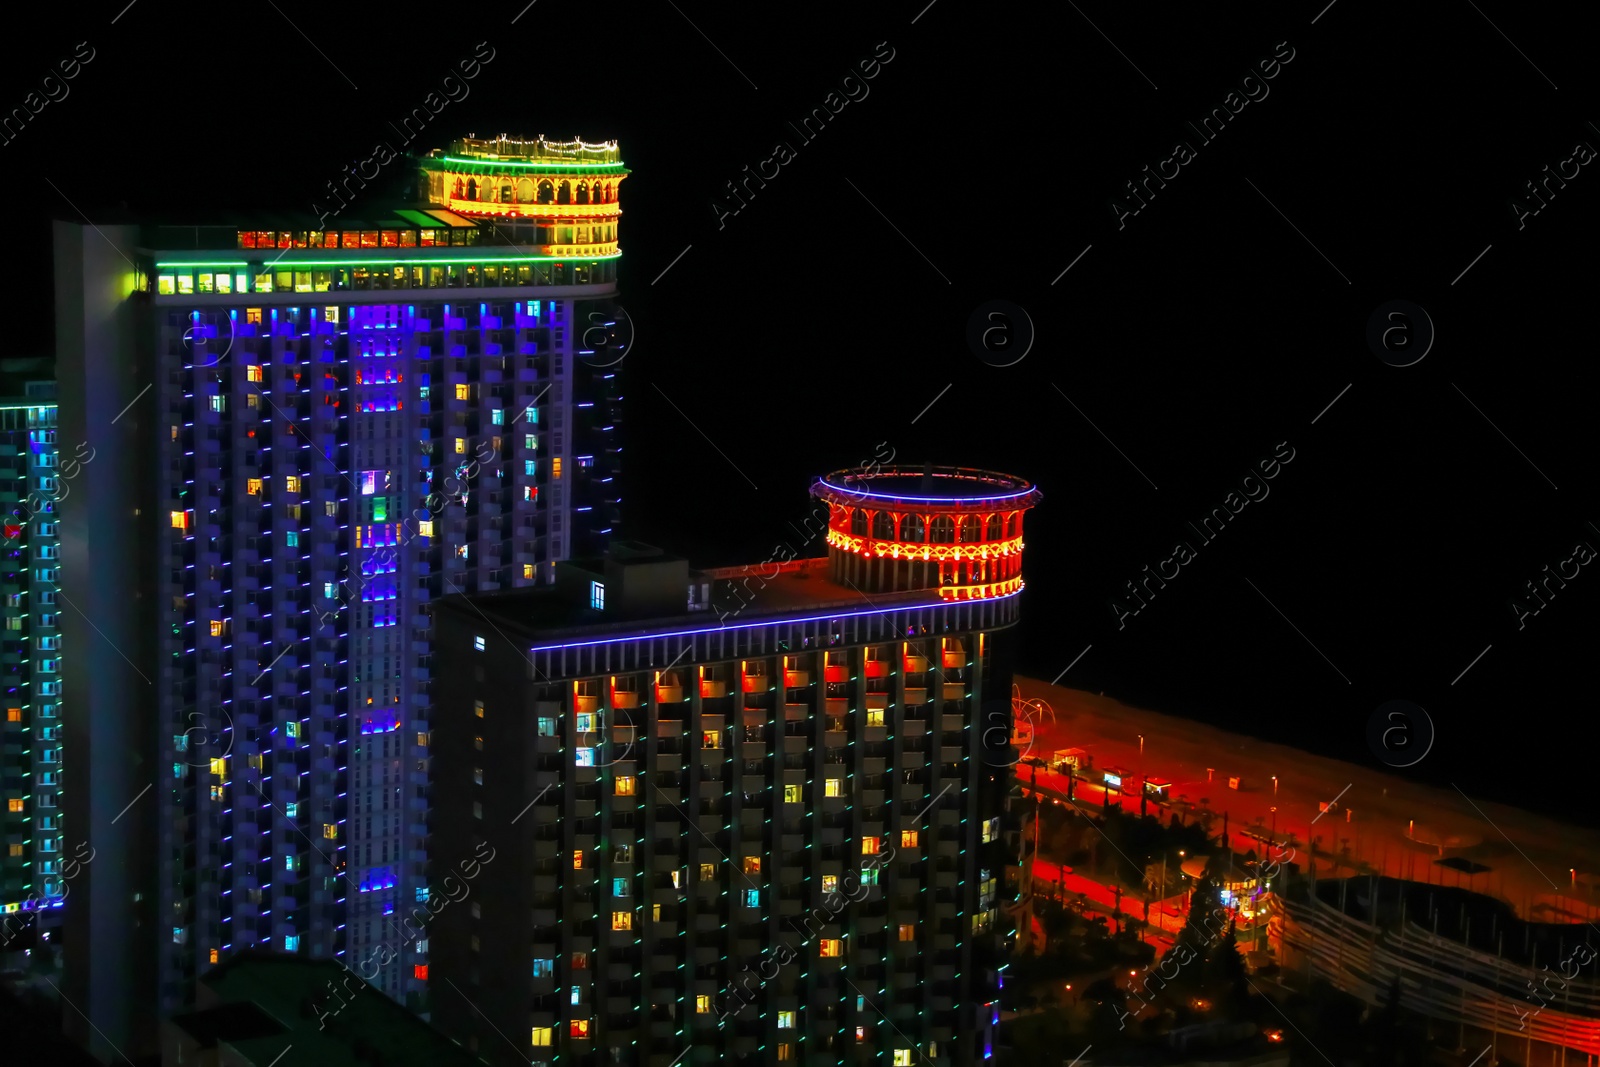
(752, 625)
(930, 499)
(902, 550)
(974, 592)
(421, 261)
(526, 166)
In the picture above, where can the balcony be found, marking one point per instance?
(915, 697)
(877, 668)
(621, 698)
(585, 704)
(877, 701)
(916, 664)
(711, 688)
(796, 679)
(836, 673)
(669, 694)
(757, 683)
(954, 690)
(953, 659)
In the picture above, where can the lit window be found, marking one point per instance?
(752, 865)
(785, 1052)
(832, 946)
(14, 804)
(529, 441)
(625, 785)
(861, 1033)
(577, 995)
(711, 739)
(527, 570)
(580, 961)
(555, 467)
(544, 1036)
(655, 912)
(498, 416)
(752, 898)
(547, 726)
(254, 314)
(331, 314)
(580, 1028)
(834, 787)
(869, 875)
(908, 932)
(577, 860)
(791, 794)
(219, 766)
(830, 884)
(597, 597)
(253, 372)
(874, 716)
(165, 284)
(292, 483)
(529, 467)
(15, 850)
(461, 446)
(425, 528)
(330, 831)
(902, 1057)
(180, 520)
(253, 487)
(292, 538)
(869, 846)
(216, 627)
(622, 920)
(478, 644)
(991, 830)
(214, 953)
(908, 839)
(544, 968)
(621, 887)
(702, 1004)
(708, 872)
(786, 1020)
(461, 393)
(219, 403)
(186, 283)
(585, 757)
(477, 708)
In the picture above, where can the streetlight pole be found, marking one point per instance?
(1274, 785)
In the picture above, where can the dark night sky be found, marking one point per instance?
(1196, 338)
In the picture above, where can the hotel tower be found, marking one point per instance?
(308, 430)
(751, 815)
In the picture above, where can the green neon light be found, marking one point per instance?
(420, 261)
(527, 166)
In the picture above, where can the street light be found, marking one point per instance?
(1274, 785)
(1141, 744)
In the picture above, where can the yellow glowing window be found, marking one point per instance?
(577, 860)
(785, 1052)
(205, 284)
(263, 284)
(874, 716)
(830, 884)
(15, 803)
(15, 850)
(253, 372)
(331, 314)
(461, 446)
(902, 1057)
(422, 738)
(702, 1004)
(869, 846)
(253, 487)
(544, 1036)
(180, 520)
(219, 766)
(622, 920)
(252, 315)
(791, 794)
(224, 285)
(624, 785)
(834, 787)
(832, 946)
(908, 839)
(786, 1020)
(216, 627)
(214, 955)
(461, 391)
(165, 285)
(252, 401)
(292, 483)
(477, 708)
(425, 528)
(527, 570)
(708, 871)
(186, 283)
(13, 715)
(711, 739)
(908, 932)
(655, 912)
(752, 865)
(330, 831)
(555, 467)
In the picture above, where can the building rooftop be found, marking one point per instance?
(538, 150)
(262, 1003)
(930, 486)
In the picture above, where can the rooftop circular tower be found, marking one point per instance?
(566, 191)
(902, 528)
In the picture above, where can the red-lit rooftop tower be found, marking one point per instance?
(900, 528)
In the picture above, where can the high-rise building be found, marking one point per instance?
(747, 815)
(31, 875)
(319, 430)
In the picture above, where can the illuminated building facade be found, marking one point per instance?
(342, 424)
(748, 815)
(30, 655)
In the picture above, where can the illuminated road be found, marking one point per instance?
(1529, 857)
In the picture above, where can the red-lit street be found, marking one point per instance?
(1545, 870)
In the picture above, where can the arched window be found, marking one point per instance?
(971, 529)
(996, 528)
(564, 192)
(1013, 524)
(858, 522)
(459, 191)
(505, 192)
(883, 526)
(912, 529)
(942, 531)
(472, 188)
(597, 195)
(547, 192)
(525, 190)
(583, 193)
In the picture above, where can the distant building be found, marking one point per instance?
(260, 1007)
(739, 816)
(32, 846)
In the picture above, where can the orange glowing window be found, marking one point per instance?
(14, 804)
(752, 865)
(869, 846)
(580, 1028)
(577, 860)
(555, 467)
(252, 372)
(214, 955)
(13, 715)
(908, 839)
(832, 946)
